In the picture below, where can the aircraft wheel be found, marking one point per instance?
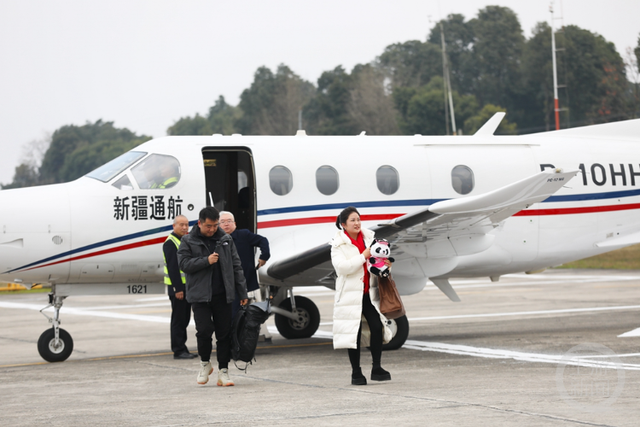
(48, 349)
(400, 327)
(308, 319)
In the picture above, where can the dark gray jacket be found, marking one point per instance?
(193, 259)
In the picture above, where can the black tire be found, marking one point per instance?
(306, 326)
(401, 325)
(51, 354)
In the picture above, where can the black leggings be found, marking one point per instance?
(375, 326)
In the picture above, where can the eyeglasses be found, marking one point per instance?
(227, 221)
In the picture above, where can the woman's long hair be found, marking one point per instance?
(344, 215)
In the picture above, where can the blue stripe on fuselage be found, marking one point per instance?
(428, 202)
(100, 244)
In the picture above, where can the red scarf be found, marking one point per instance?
(359, 243)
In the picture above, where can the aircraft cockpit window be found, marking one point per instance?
(123, 183)
(327, 180)
(107, 171)
(387, 179)
(280, 180)
(462, 179)
(157, 171)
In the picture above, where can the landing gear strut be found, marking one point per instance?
(55, 344)
(295, 316)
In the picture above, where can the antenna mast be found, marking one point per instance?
(447, 87)
(556, 105)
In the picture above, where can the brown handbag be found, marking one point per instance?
(390, 303)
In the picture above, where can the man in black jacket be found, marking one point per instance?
(214, 274)
(174, 278)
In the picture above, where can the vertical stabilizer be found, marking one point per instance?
(490, 127)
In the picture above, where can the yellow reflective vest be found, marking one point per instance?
(167, 279)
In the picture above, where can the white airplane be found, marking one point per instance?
(468, 206)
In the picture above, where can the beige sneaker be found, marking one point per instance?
(205, 370)
(223, 378)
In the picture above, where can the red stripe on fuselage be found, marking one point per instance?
(107, 251)
(571, 211)
(331, 219)
(530, 212)
(320, 220)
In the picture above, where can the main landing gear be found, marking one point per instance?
(298, 317)
(295, 316)
(55, 344)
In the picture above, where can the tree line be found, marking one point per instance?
(493, 67)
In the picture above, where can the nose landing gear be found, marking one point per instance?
(55, 344)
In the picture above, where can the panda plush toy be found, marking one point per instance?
(380, 251)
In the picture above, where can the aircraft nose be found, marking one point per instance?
(34, 228)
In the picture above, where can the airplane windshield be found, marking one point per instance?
(157, 171)
(107, 171)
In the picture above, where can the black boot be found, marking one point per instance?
(379, 374)
(357, 378)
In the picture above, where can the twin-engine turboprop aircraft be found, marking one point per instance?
(468, 206)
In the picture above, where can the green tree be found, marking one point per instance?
(637, 52)
(595, 78)
(272, 104)
(25, 175)
(369, 106)
(196, 125)
(459, 38)
(328, 111)
(221, 119)
(410, 64)
(77, 150)
(497, 50)
(538, 80)
(422, 109)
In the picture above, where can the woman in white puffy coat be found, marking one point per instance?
(357, 297)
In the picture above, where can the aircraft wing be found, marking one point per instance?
(448, 228)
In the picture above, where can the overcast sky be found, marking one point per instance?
(145, 64)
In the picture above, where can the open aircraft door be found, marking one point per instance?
(230, 183)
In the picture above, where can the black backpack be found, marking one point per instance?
(245, 331)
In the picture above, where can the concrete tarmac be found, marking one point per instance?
(557, 348)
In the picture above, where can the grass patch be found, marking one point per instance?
(622, 259)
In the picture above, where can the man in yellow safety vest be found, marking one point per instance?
(174, 278)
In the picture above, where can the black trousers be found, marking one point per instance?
(180, 317)
(375, 326)
(210, 316)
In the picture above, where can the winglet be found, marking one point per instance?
(490, 127)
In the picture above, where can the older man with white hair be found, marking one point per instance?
(246, 243)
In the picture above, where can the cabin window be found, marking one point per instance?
(280, 180)
(327, 180)
(107, 171)
(157, 172)
(462, 179)
(387, 179)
